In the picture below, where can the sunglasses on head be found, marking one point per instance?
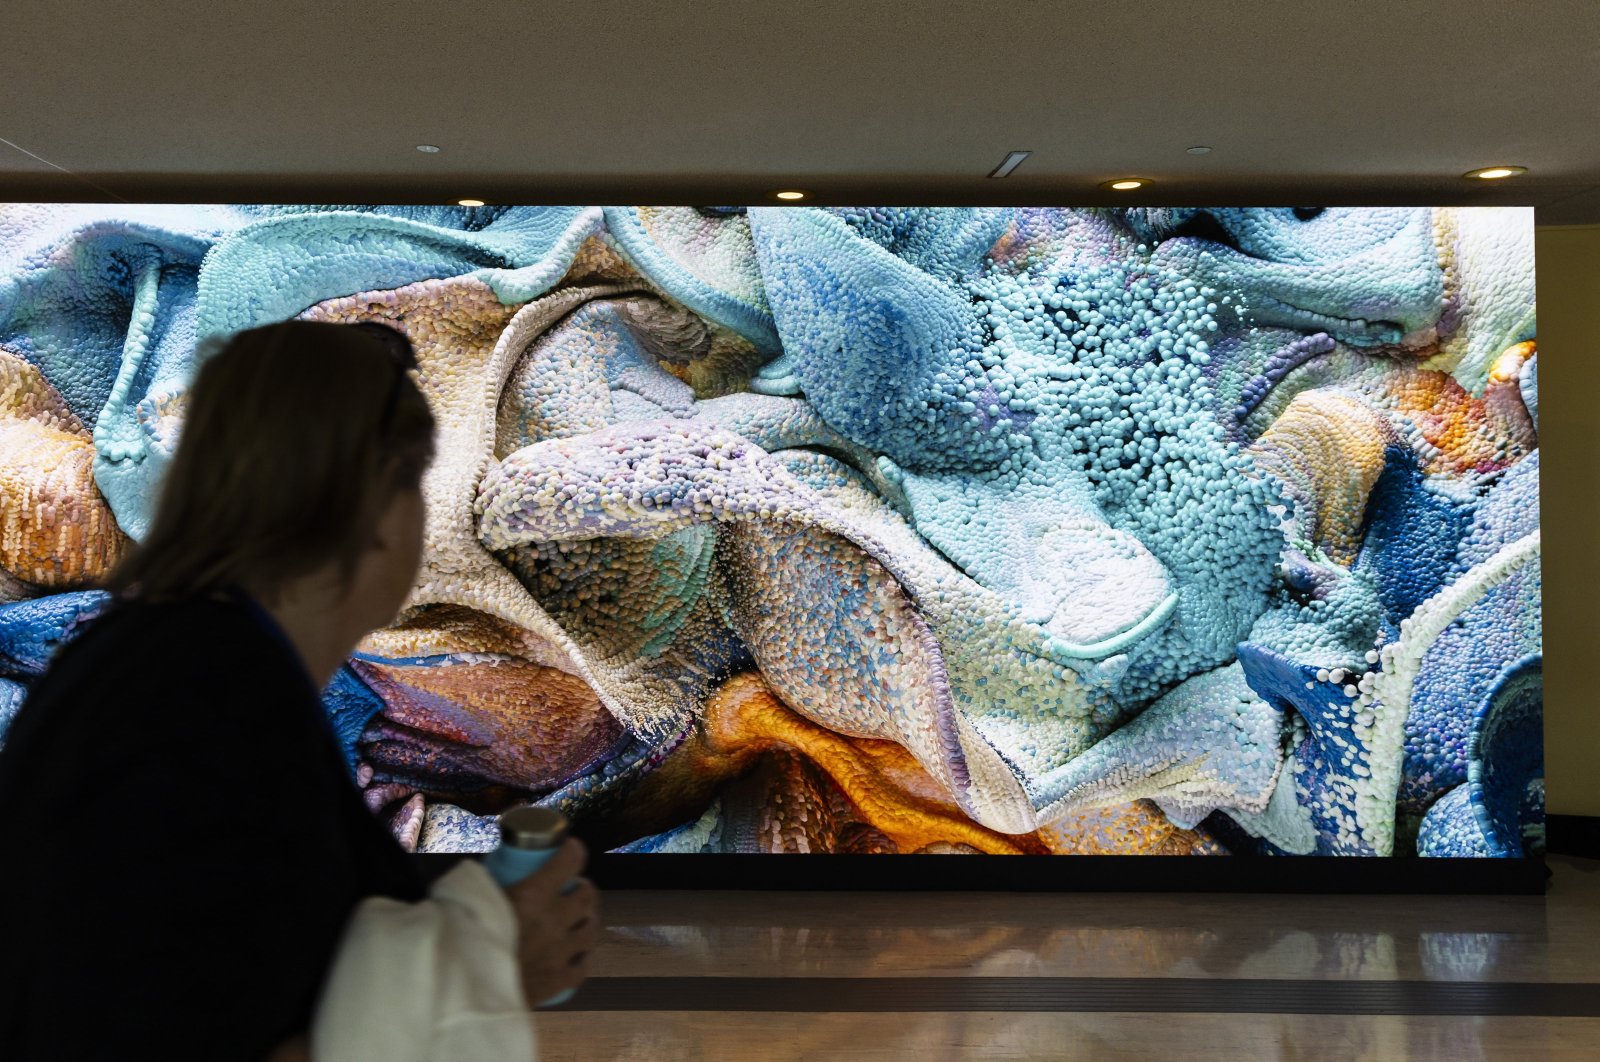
(400, 351)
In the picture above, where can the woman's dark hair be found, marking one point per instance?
(296, 438)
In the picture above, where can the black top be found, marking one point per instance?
(183, 843)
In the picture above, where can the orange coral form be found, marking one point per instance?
(56, 531)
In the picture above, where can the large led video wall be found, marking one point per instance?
(870, 530)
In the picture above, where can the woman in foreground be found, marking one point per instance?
(191, 872)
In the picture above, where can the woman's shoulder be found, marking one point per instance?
(156, 633)
(176, 655)
(182, 684)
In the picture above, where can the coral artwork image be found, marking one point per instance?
(1206, 531)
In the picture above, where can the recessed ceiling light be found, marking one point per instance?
(428, 149)
(1125, 184)
(470, 202)
(790, 194)
(1009, 163)
(1199, 149)
(1495, 173)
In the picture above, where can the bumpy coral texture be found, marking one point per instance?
(870, 530)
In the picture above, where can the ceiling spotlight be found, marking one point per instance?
(428, 149)
(790, 194)
(1494, 173)
(470, 202)
(1125, 184)
(1009, 163)
(1199, 149)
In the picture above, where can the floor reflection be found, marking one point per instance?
(1517, 938)
(991, 951)
(1060, 1037)
(1380, 938)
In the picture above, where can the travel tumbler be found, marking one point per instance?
(529, 836)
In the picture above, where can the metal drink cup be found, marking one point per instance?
(529, 836)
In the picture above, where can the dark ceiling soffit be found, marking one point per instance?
(825, 191)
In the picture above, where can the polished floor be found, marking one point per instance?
(775, 977)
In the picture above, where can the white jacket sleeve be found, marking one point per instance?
(428, 982)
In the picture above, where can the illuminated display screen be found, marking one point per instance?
(872, 530)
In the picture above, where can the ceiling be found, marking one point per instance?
(724, 101)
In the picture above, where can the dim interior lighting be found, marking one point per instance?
(428, 149)
(470, 202)
(1495, 173)
(790, 194)
(1125, 184)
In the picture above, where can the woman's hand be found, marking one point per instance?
(556, 928)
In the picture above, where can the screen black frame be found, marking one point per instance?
(1527, 875)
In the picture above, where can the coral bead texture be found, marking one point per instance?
(870, 530)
